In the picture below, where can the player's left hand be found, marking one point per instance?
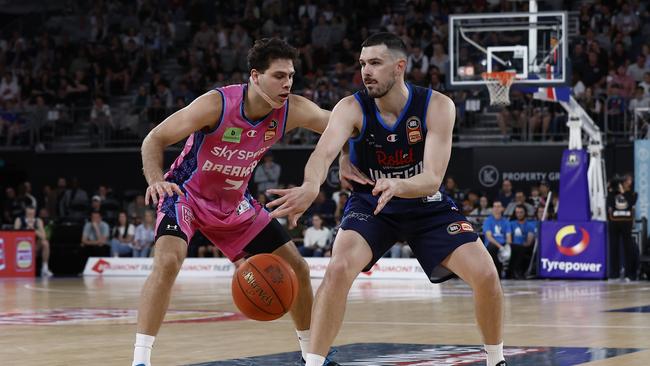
(348, 173)
(387, 187)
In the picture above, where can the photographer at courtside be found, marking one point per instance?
(620, 212)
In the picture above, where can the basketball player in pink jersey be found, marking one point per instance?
(229, 129)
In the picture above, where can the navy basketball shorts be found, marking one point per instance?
(433, 231)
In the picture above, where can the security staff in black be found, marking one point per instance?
(620, 208)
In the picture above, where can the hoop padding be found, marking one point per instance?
(498, 84)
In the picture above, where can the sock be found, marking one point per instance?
(314, 360)
(303, 339)
(142, 351)
(45, 268)
(494, 354)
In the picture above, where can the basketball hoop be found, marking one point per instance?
(498, 84)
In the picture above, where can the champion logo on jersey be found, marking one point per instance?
(414, 130)
(251, 133)
(392, 137)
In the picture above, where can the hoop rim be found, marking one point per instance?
(503, 77)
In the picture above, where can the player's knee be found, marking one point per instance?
(487, 281)
(168, 265)
(302, 269)
(341, 271)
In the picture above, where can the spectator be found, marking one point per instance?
(621, 201)
(645, 84)
(122, 236)
(101, 121)
(137, 207)
(620, 83)
(74, 200)
(523, 238)
(323, 207)
(637, 70)
(317, 239)
(480, 213)
(30, 222)
(505, 195)
(341, 201)
(9, 88)
(267, 174)
(498, 236)
(453, 191)
(639, 100)
(94, 240)
(13, 207)
(417, 60)
(520, 200)
(401, 249)
(144, 236)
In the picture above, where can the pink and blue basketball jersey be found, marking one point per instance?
(213, 171)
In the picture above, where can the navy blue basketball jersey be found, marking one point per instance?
(382, 151)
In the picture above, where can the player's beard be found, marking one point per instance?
(380, 91)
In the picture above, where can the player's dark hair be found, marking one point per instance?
(391, 40)
(266, 50)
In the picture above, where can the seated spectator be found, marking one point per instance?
(317, 239)
(30, 222)
(401, 249)
(341, 200)
(101, 121)
(94, 240)
(497, 235)
(520, 200)
(323, 207)
(505, 194)
(267, 174)
(122, 236)
(479, 214)
(523, 237)
(144, 236)
(137, 207)
(12, 206)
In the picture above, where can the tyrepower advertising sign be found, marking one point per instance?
(573, 250)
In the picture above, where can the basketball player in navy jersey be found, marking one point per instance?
(400, 136)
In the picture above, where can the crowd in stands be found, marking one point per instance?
(71, 70)
(121, 224)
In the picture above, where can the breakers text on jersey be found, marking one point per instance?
(406, 173)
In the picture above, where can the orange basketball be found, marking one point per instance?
(264, 287)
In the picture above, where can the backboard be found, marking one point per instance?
(533, 45)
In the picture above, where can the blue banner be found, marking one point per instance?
(574, 187)
(573, 249)
(642, 178)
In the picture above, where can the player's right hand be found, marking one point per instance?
(161, 189)
(293, 202)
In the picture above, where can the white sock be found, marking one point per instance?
(303, 339)
(494, 354)
(142, 351)
(314, 360)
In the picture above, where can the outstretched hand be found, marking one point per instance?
(386, 188)
(293, 202)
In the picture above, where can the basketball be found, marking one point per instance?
(264, 287)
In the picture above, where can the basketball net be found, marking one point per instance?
(498, 84)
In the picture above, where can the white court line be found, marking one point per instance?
(506, 325)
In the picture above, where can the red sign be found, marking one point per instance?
(17, 254)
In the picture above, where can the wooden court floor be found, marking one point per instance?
(90, 321)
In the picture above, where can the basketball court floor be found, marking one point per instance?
(81, 321)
